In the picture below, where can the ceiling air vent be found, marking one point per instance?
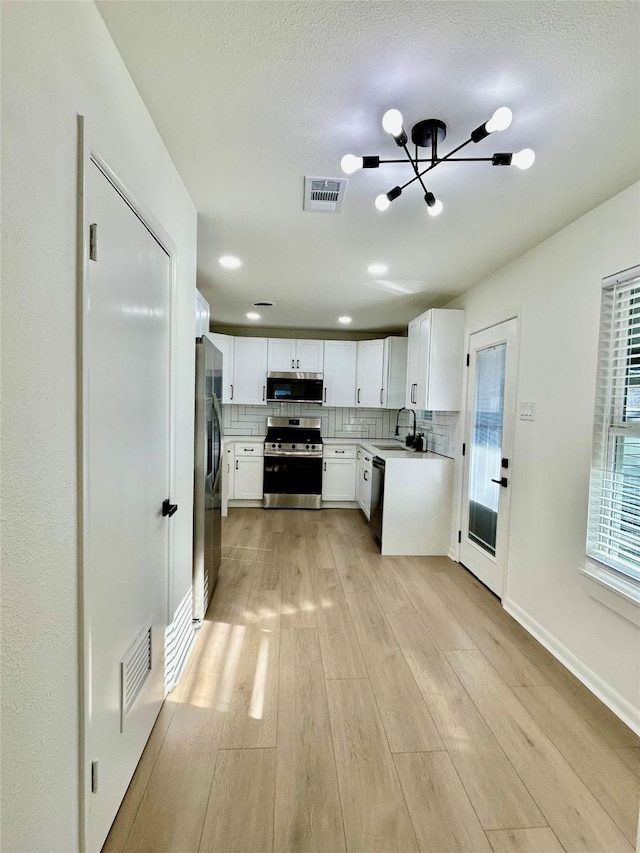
(324, 195)
(263, 304)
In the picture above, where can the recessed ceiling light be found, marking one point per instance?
(344, 320)
(253, 316)
(230, 262)
(377, 269)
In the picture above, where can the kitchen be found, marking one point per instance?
(519, 707)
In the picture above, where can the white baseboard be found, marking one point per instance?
(621, 707)
(452, 555)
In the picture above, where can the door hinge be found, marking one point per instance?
(93, 242)
(468, 359)
(94, 777)
(459, 536)
(464, 449)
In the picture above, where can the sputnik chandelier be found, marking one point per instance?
(429, 133)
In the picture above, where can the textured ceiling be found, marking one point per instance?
(251, 96)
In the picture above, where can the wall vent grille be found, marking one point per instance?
(324, 195)
(134, 671)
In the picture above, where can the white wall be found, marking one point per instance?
(555, 288)
(58, 60)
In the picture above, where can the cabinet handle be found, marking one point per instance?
(358, 400)
(325, 466)
(231, 392)
(227, 467)
(298, 363)
(237, 464)
(338, 451)
(367, 459)
(415, 385)
(365, 476)
(248, 449)
(264, 395)
(381, 393)
(325, 395)
(292, 364)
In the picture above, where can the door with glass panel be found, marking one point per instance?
(488, 463)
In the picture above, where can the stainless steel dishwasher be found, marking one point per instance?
(377, 498)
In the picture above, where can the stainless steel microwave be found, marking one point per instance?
(294, 387)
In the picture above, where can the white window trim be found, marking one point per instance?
(621, 594)
(615, 589)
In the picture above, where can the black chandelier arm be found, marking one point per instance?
(419, 174)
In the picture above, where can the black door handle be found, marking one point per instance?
(501, 482)
(168, 508)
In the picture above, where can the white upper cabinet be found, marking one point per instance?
(394, 372)
(369, 386)
(225, 345)
(286, 354)
(434, 360)
(340, 373)
(381, 373)
(250, 371)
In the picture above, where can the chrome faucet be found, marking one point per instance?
(413, 412)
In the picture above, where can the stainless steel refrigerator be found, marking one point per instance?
(207, 498)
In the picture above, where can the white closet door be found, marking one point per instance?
(126, 452)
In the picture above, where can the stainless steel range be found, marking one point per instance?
(293, 464)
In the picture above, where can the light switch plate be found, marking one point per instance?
(527, 410)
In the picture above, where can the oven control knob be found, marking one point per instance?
(307, 447)
(313, 447)
(293, 447)
(279, 447)
(273, 445)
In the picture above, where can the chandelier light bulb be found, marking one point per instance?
(252, 315)
(344, 320)
(523, 159)
(392, 122)
(500, 120)
(350, 164)
(377, 269)
(436, 208)
(382, 202)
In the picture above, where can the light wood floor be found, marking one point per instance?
(338, 700)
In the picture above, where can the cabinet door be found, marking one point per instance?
(424, 364)
(339, 479)
(445, 360)
(225, 345)
(394, 372)
(369, 385)
(340, 373)
(413, 362)
(248, 473)
(228, 473)
(250, 371)
(309, 356)
(282, 355)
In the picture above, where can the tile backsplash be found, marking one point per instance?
(439, 428)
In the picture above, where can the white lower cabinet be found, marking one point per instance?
(246, 474)
(339, 473)
(363, 483)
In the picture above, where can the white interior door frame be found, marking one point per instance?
(89, 148)
(459, 499)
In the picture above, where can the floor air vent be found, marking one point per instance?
(324, 195)
(134, 670)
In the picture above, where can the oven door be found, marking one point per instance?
(292, 481)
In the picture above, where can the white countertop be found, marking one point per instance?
(369, 444)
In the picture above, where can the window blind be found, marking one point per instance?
(613, 536)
